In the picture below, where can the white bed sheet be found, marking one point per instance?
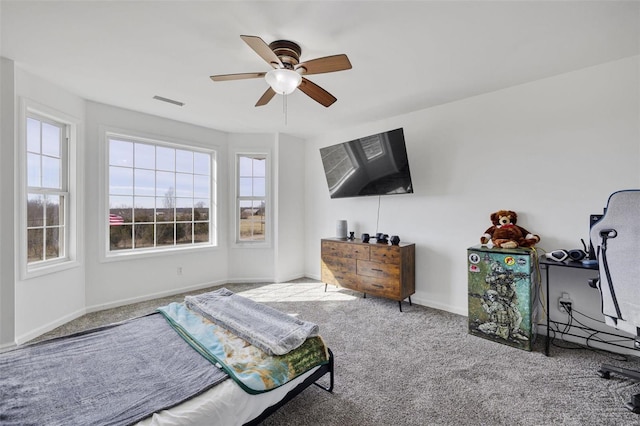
(224, 404)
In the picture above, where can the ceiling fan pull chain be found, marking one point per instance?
(284, 108)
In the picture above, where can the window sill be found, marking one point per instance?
(130, 255)
(52, 268)
(251, 245)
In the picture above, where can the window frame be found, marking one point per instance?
(71, 188)
(236, 241)
(108, 255)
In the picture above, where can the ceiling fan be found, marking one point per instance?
(288, 72)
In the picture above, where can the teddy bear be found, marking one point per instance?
(506, 234)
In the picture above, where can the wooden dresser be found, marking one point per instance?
(371, 268)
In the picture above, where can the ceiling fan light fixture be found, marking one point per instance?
(283, 81)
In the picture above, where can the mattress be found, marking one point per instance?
(225, 404)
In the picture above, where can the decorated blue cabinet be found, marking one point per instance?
(503, 295)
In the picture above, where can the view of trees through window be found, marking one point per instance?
(159, 196)
(46, 189)
(252, 189)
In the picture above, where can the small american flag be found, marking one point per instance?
(114, 219)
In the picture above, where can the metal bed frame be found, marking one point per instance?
(313, 379)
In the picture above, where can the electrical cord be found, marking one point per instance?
(378, 218)
(593, 336)
(587, 316)
(538, 283)
(559, 329)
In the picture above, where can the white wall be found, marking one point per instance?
(27, 307)
(551, 150)
(44, 302)
(249, 262)
(111, 283)
(7, 246)
(289, 201)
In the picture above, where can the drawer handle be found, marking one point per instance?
(377, 270)
(377, 285)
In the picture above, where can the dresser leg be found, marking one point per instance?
(400, 305)
(410, 301)
(364, 295)
(325, 287)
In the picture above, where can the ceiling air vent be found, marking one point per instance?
(171, 101)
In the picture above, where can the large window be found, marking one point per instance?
(159, 195)
(251, 197)
(47, 190)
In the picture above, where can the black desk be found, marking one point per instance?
(547, 264)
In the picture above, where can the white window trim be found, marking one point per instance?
(74, 218)
(233, 211)
(105, 132)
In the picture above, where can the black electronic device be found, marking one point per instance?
(557, 255)
(371, 165)
(593, 219)
(382, 238)
(577, 254)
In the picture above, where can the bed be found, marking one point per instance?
(216, 358)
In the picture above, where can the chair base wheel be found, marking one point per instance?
(634, 404)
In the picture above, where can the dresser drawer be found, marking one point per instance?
(385, 254)
(348, 250)
(382, 287)
(338, 271)
(378, 270)
(339, 264)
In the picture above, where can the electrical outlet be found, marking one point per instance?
(563, 301)
(179, 270)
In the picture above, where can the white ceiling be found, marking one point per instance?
(406, 56)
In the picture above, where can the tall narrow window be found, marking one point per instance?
(159, 195)
(251, 197)
(47, 189)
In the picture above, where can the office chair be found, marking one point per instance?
(616, 237)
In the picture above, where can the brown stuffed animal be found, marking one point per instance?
(506, 234)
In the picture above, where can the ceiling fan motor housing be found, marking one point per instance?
(284, 58)
(288, 52)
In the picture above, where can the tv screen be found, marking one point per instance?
(372, 165)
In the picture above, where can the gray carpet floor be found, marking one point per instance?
(421, 367)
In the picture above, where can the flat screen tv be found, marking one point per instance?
(372, 165)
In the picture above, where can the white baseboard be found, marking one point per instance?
(314, 276)
(32, 334)
(290, 277)
(7, 346)
(419, 299)
(128, 301)
(250, 280)
(423, 300)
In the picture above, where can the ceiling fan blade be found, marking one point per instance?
(317, 93)
(326, 64)
(240, 76)
(262, 49)
(266, 97)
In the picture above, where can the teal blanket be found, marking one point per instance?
(252, 368)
